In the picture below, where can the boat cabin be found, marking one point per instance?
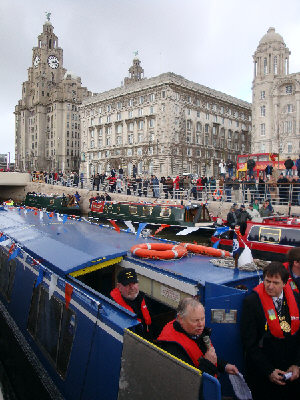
(56, 288)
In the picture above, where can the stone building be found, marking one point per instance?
(47, 124)
(163, 125)
(276, 99)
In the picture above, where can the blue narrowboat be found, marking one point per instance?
(56, 276)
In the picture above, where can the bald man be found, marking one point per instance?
(187, 338)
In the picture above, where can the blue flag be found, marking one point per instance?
(140, 228)
(2, 238)
(40, 277)
(216, 245)
(221, 230)
(65, 217)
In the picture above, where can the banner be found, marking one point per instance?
(117, 228)
(53, 284)
(68, 294)
(130, 226)
(186, 231)
(142, 225)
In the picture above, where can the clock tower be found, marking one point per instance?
(47, 116)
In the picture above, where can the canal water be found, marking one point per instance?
(18, 380)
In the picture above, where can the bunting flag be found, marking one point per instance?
(188, 230)
(35, 213)
(25, 211)
(235, 245)
(221, 230)
(216, 245)
(40, 277)
(51, 215)
(41, 215)
(4, 241)
(163, 226)
(130, 226)
(53, 284)
(142, 225)
(68, 294)
(14, 254)
(58, 217)
(65, 217)
(117, 228)
(11, 248)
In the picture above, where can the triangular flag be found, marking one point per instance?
(216, 245)
(186, 231)
(163, 226)
(53, 284)
(14, 254)
(25, 211)
(5, 241)
(140, 228)
(2, 238)
(68, 294)
(245, 257)
(130, 226)
(51, 215)
(40, 277)
(117, 228)
(58, 217)
(11, 248)
(65, 217)
(41, 215)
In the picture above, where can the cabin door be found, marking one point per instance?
(223, 306)
(149, 373)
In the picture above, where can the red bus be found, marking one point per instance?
(261, 161)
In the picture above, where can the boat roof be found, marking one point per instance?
(73, 245)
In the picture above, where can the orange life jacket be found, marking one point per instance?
(290, 280)
(116, 295)
(169, 334)
(271, 313)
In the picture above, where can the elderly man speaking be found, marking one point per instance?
(187, 338)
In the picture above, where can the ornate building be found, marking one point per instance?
(276, 99)
(47, 117)
(164, 125)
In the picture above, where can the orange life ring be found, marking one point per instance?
(218, 193)
(161, 251)
(209, 251)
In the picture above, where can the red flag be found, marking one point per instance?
(117, 228)
(163, 226)
(68, 294)
(1, 234)
(51, 215)
(35, 213)
(11, 248)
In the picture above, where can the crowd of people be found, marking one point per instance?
(270, 330)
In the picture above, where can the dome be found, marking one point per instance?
(271, 36)
(70, 74)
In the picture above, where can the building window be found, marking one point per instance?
(129, 114)
(141, 100)
(140, 137)
(108, 119)
(140, 112)
(130, 102)
(265, 67)
(262, 95)
(289, 108)
(288, 127)
(289, 148)
(163, 94)
(130, 127)
(139, 151)
(198, 138)
(119, 105)
(207, 116)
(275, 66)
(119, 140)
(118, 116)
(152, 97)
(151, 110)
(289, 89)
(141, 125)
(198, 114)
(215, 118)
(262, 129)
(188, 152)
(151, 123)
(188, 111)
(188, 125)
(206, 128)
(263, 111)
(222, 110)
(199, 127)
(130, 138)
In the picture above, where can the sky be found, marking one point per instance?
(210, 42)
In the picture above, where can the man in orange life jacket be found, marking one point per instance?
(187, 338)
(293, 267)
(271, 337)
(128, 295)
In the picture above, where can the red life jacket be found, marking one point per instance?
(269, 309)
(116, 295)
(169, 334)
(290, 280)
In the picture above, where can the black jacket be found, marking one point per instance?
(289, 163)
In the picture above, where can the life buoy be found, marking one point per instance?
(218, 193)
(161, 251)
(209, 251)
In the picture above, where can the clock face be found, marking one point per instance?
(36, 61)
(53, 62)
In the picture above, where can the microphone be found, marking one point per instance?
(207, 342)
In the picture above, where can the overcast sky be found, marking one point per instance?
(207, 41)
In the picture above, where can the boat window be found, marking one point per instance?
(282, 236)
(269, 235)
(53, 327)
(165, 212)
(133, 210)
(147, 211)
(264, 157)
(290, 237)
(7, 275)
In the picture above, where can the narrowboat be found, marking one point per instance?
(61, 204)
(268, 238)
(56, 278)
(174, 217)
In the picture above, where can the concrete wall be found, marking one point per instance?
(14, 179)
